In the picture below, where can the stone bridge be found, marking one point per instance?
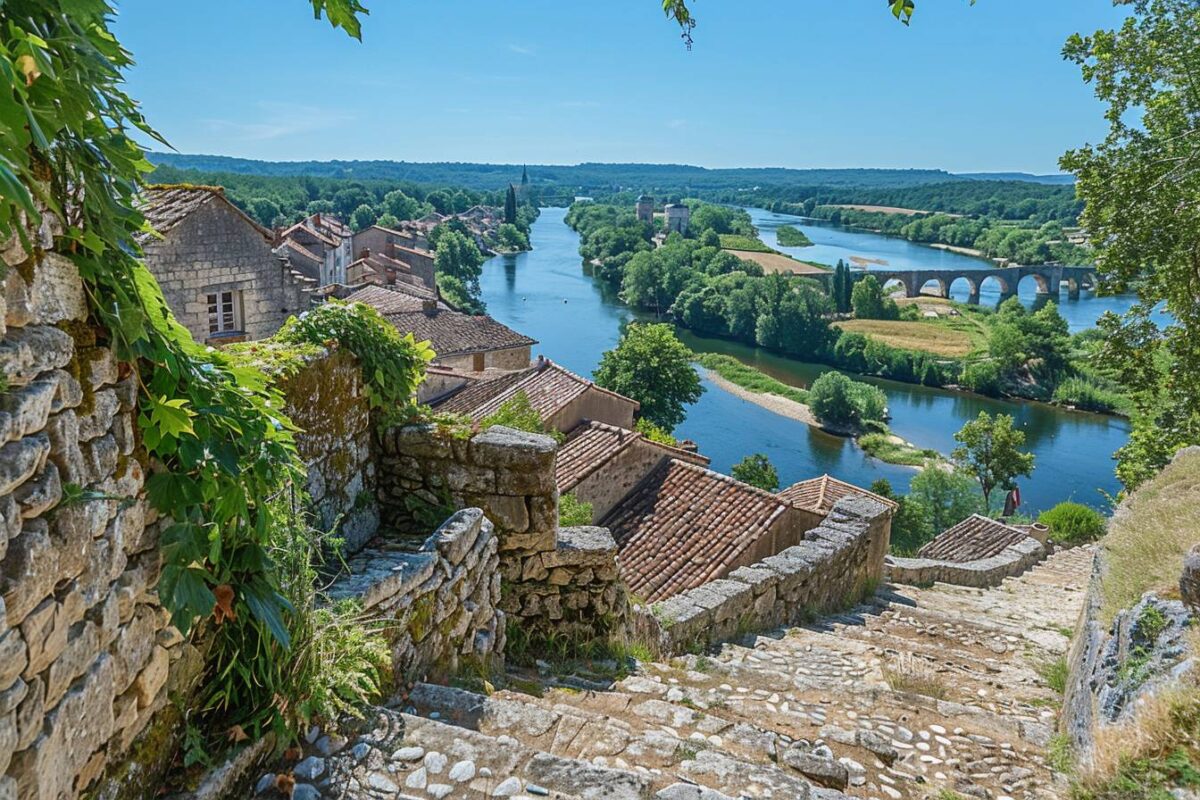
(1049, 279)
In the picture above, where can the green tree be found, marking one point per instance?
(844, 403)
(869, 301)
(843, 284)
(757, 470)
(990, 452)
(910, 525)
(651, 366)
(944, 497)
(510, 237)
(510, 205)
(458, 256)
(1140, 185)
(401, 206)
(363, 217)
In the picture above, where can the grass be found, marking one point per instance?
(735, 241)
(911, 676)
(1146, 543)
(885, 447)
(749, 378)
(1054, 673)
(777, 262)
(791, 236)
(938, 338)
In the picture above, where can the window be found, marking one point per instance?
(224, 312)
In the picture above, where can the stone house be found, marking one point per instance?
(465, 342)
(815, 498)
(406, 251)
(326, 237)
(560, 397)
(679, 217)
(216, 266)
(601, 463)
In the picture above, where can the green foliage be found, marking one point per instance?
(518, 412)
(510, 237)
(1139, 184)
(944, 498)
(458, 257)
(393, 365)
(573, 512)
(654, 433)
(869, 301)
(750, 244)
(456, 295)
(1055, 673)
(843, 285)
(363, 217)
(651, 366)
(791, 236)
(884, 447)
(1073, 523)
(990, 452)
(839, 401)
(749, 378)
(757, 470)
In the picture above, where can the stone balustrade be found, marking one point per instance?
(982, 573)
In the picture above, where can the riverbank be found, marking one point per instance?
(751, 385)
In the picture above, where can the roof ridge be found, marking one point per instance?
(729, 479)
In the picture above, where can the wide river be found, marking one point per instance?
(545, 294)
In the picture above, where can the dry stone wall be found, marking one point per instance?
(983, 573)
(326, 400)
(838, 563)
(438, 603)
(86, 651)
(553, 580)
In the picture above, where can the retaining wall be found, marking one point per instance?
(86, 653)
(983, 573)
(553, 580)
(839, 562)
(439, 603)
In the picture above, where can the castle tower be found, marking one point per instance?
(645, 209)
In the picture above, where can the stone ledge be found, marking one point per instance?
(983, 573)
(585, 546)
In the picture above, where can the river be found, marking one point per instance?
(546, 294)
(832, 242)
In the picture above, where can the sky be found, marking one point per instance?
(780, 83)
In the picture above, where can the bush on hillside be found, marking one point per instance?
(837, 400)
(1073, 523)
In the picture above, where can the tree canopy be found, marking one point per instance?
(652, 366)
(990, 452)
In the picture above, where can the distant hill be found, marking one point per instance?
(1054, 180)
(582, 177)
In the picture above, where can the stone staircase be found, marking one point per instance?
(920, 693)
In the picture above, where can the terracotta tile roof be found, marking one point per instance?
(820, 494)
(974, 538)
(684, 525)
(454, 333)
(303, 227)
(549, 387)
(591, 445)
(166, 206)
(391, 300)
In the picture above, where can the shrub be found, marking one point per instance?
(757, 470)
(837, 400)
(982, 377)
(518, 413)
(1088, 395)
(654, 433)
(1073, 523)
(572, 511)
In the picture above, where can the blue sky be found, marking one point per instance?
(792, 83)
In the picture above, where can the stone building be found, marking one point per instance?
(465, 342)
(678, 218)
(815, 498)
(326, 237)
(560, 397)
(216, 266)
(645, 209)
(406, 249)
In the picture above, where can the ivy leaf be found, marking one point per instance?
(171, 417)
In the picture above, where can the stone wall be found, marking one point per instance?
(983, 573)
(85, 649)
(608, 485)
(439, 602)
(839, 562)
(325, 399)
(508, 359)
(561, 580)
(217, 249)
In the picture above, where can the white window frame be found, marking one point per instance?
(224, 311)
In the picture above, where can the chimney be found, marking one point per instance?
(317, 219)
(364, 253)
(542, 362)
(429, 306)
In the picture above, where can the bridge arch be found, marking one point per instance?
(1044, 283)
(972, 286)
(891, 282)
(943, 286)
(1005, 285)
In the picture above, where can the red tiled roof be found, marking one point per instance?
(821, 494)
(683, 526)
(454, 333)
(592, 444)
(166, 206)
(974, 538)
(391, 300)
